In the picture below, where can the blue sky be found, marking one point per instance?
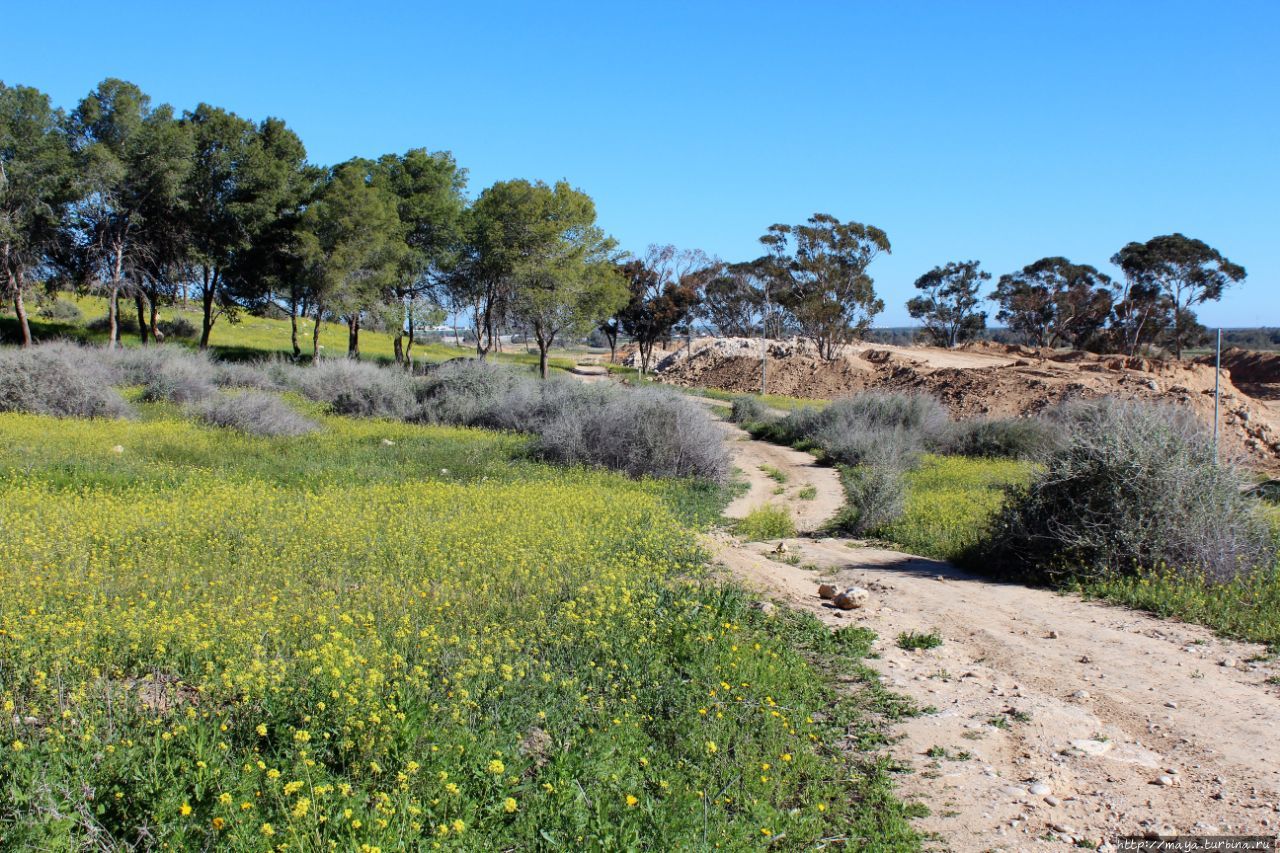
(1001, 131)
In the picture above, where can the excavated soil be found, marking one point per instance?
(1002, 381)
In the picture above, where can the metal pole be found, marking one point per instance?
(764, 346)
(1217, 374)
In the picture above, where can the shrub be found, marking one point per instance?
(746, 409)
(260, 375)
(178, 327)
(645, 432)
(648, 432)
(166, 373)
(63, 380)
(1132, 487)
(766, 522)
(62, 311)
(126, 323)
(349, 387)
(874, 496)
(467, 392)
(253, 412)
(879, 428)
(1017, 438)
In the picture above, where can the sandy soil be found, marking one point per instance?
(751, 457)
(1111, 722)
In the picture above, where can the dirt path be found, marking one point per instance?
(783, 477)
(1057, 720)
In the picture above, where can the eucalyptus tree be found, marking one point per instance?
(352, 247)
(37, 186)
(1186, 272)
(823, 282)
(663, 292)
(131, 158)
(1054, 301)
(948, 302)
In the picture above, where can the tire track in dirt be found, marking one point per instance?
(1056, 720)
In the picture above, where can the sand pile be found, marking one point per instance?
(991, 380)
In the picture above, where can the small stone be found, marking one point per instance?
(1171, 704)
(1053, 635)
(1040, 789)
(1065, 829)
(1086, 659)
(386, 442)
(765, 607)
(1053, 801)
(119, 448)
(826, 592)
(1164, 781)
(852, 598)
(1082, 694)
(1229, 662)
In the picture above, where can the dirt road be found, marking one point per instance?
(1056, 720)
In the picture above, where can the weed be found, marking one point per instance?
(766, 522)
(910, 640)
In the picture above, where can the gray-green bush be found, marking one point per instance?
(1017, 438)
(58, 379)
(61, 311)
(745, 409)
(357, 388)
(1131, 487)
(252, 412)
(874, 496)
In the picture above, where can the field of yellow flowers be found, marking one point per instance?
(388, 637)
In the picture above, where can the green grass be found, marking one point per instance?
(1247, 607)
(807, 493)
(911, 640)
(256, 337)
(354, 637)
(766, 522)
(775, 474)
(950, 501)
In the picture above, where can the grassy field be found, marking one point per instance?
(950, 500)
(255, 337)
(387, 636)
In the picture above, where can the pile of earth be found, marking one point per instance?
(1256, 373)
(986, 379)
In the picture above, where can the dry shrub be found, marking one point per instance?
(58, 379)
(1131, 487)
(253, 412)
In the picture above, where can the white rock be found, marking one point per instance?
(1164, 781)
(1040, 789)
(852, 598)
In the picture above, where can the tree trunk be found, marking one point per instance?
(113, 317)
(293, 330)
(206, 296)
(398, 345)
(353, 336)
(544, 345)
(315, 336)
(20, 309)
(154, 321)
(140, 303)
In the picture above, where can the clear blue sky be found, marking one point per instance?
(998, 131)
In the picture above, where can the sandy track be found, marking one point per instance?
(1101, 705)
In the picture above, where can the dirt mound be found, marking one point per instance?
(1256, 373)
(986, 380)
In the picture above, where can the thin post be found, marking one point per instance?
(764, 347)
(1217, 374)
